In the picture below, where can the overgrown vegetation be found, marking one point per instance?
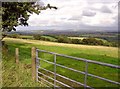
(17, 75)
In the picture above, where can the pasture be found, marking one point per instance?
(81, 38)
(98, 53)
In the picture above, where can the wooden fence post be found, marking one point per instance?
(17, 55)
(33, 54)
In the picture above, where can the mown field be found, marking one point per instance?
(81, 38)
(23, 72)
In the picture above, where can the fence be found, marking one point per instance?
(37, 66)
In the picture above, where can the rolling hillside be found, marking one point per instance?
(97, 53)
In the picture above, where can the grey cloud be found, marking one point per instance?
(105, 9)
(41, 3)
(102, 1)
(88, 13)
(76, 18)
(116, 21)
(63, 18)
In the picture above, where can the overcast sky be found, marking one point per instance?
(76, 15)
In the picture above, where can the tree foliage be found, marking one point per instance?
(17, 13)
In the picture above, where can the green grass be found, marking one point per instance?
(17, 75)
(49, 37)
(107, 55)
(81, 38)
(26, 37)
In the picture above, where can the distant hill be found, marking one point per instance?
(61, 32)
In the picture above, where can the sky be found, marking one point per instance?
(76, 15)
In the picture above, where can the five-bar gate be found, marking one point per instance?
(85, 72)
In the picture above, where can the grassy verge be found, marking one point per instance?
(16, 75)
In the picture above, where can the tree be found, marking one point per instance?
(17, 13)
(63, 39)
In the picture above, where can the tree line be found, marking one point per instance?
(65, 39)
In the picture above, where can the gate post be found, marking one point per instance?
(17, 55)
(33, 54)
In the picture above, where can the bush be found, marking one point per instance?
(45, 39)
(115, 44)
(63, 39)
(92, 41)
(13, 36)
(75, 41)
(37, 37)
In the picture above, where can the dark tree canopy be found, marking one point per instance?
(17, 13)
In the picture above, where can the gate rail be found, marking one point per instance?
(71, 57)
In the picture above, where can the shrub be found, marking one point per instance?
(92, 41)
(37, 37)
(63, 39)
(75, 41)
(14, 36)
(45, 39)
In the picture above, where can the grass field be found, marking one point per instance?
(98, 53)
(81, 38)
(50, 38)
(26, 37)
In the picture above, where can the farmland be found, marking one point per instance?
(98, 53)
(85, 39)
(59, 44)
